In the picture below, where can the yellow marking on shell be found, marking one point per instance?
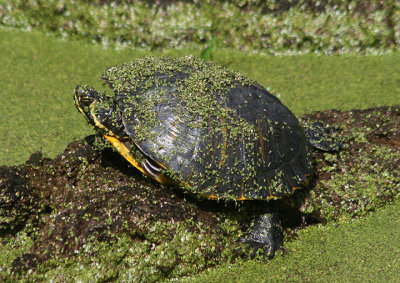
(294, 187)
(213, 196)
(125, 152)
(242, 197)
(292, 192)
(210, 196)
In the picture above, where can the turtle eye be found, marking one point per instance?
(86, 100)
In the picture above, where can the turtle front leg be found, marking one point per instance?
(265, 237)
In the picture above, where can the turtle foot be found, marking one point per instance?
(322, 137)
(265, 238)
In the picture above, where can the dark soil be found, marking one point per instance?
(71, 205)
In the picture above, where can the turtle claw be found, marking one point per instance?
(265, 238)
(264, 251)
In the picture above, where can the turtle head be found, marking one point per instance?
(99, 110)
(86, 99)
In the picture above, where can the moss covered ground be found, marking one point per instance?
(361, 250)
(38, 74)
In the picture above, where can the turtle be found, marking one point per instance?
(210, 130)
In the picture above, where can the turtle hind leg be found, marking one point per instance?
(265, 237)
(321, 137)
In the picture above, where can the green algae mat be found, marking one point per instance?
(120, 223)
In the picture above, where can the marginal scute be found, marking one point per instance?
(215, 131)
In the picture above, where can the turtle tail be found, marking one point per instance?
(321, 137)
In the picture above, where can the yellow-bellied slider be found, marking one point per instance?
(216, 132)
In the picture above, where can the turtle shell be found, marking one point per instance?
(211, 129)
